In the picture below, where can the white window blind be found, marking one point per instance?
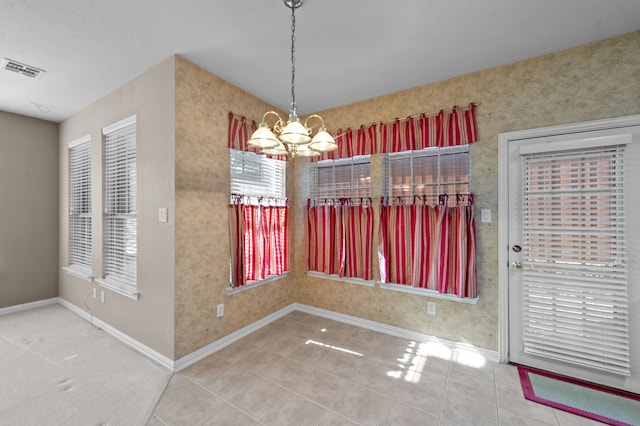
(343, 178)
(428, 172)
(80, 206)
(256, 176)
(575, 264)
(120, 227)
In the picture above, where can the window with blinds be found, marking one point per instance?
(428, 172)
(574, 274)
(255, 176)
(343, 178)
(120, 218)
(79, 161)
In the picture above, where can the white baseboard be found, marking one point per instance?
(211, 348)
(458, 349)
(126, 339)
(454, 350)
(27, 306)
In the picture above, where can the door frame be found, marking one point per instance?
(503, 204)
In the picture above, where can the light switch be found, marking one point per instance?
(485, 215)
(162, 214)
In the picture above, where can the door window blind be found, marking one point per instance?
(80, 205)
(574, 274)
(120, 227)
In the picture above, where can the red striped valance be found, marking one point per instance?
(457, 127)
(240, 130)
(350, 142)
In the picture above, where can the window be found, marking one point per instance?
(344, 178)
(258, 218)
(79, 155)
(120, 218)
(256, 176)
(430, 172)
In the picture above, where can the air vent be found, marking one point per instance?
(20, 68)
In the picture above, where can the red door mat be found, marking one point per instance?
(607, 405)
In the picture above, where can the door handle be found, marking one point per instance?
(516, 265)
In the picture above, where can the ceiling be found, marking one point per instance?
(346, 50)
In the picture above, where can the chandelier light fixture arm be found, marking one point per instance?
(292, 138)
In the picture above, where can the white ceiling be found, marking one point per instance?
(346, 50)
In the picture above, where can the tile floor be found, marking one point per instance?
(307, 370)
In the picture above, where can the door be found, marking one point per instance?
(572, 253)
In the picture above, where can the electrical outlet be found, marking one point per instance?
(220, 310)
(101, 296)
(431, 308)
(95, 292)
(485, 215)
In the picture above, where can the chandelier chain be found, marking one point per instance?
(293, 60)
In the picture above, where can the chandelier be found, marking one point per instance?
(292, 137)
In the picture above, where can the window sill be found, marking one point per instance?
(254, 284)
(78, 273)
(359, 281)
(118, 288)
(430, 293)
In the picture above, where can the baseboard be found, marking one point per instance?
(211, 348)
(27, 306)
(461, 350)
(456, 350)
(124, 338)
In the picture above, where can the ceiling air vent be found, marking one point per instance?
(20, 68)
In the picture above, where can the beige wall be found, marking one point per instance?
(28, 209)
(202, 235)
(591, 82)
(151, 96)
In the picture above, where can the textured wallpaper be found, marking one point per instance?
(202, 237)
(595, 81)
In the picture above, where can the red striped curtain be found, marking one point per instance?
(240, 130)
(339, 240)
(350, 142)
(258, 242)
(457, 127)
(429, 247)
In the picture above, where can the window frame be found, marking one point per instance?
(352, 189)
(119, 273)
(79, 179)
(255, 194)
(439, 153)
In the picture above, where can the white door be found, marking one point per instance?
(572, 251)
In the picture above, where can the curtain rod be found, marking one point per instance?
(475, 104)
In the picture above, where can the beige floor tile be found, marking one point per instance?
(332, 418)
(286, 372)
(515, 418)
(360, 404)
(339, 363)
(258, 360)
(320, 387)
(252, 395)
(236, 350)
(512, 400)
(186, 403)
(468, 410)
(425, 395)
(399, 414)
(294, 410)
(569, 419)
(209, 368)
(374, 377)
(469, 384)
(283, 344)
